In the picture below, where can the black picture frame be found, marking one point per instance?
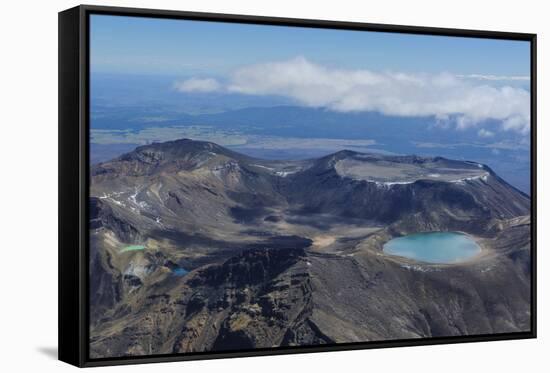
(74, 181)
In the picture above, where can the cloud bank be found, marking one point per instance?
(464, 101)
(496, 77)
(198, 85)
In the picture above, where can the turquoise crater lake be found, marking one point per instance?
(434, 247)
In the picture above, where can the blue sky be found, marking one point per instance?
(467, 81)
(137, 45)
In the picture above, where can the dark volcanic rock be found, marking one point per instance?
(250, 232)
(250, 268)
(103, 216)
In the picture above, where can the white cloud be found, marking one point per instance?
(463, 101)
(485, 133)
(496, 77)
(198, 85)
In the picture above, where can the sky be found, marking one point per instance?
(463, 82)
(169, 47)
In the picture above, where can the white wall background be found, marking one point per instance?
(28, 182)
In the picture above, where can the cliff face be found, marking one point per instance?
(259, 298)
(197, 248)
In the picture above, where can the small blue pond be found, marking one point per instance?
(434, 247)
(178, 271)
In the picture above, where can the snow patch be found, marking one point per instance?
(261, 166)
(389, 184)
(284, 173)
(484, 177)
(133, 199)
(416, 268)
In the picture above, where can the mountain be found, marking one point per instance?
(195, 247)
(505, 151)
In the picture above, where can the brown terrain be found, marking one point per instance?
(198, 248)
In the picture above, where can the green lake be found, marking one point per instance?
(132, 248)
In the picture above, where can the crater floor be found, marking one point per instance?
(395, 171)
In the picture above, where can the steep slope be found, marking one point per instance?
(198, 248)
(386, 189)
